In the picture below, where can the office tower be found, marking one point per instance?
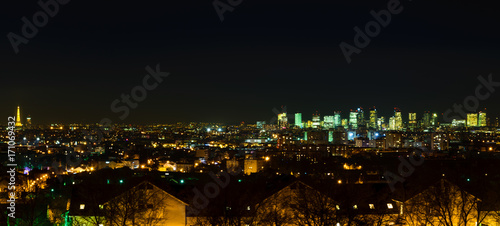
(345, 123)
(260, 124)
(353, 119)
(337, 120)
(18, 118)
(435, 121)
(28, 122)
(426, 120)
(381, 123)
(361, 117)
(330, 136)
(392, 123)
(329, 121)
(482, 120)
(398, 119)
(298, 120)
(458, 123)
(373, 119)
(497, 122)
(316, 120)
(412, 120)
(471, 119)
(282, 119)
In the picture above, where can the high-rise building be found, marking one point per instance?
(412, 120)
(18, 118)
(316, 120)
(426, 120)
(471, 119)
(381, 123)
(361, 117)
(337, 119)
(282, 120)
(329, 121)
(392, 123)
(260, 124)
(482, 120)
(373, 119)
(353, 119)
(435, 121)
(298, 120)
(345, 123)
(28, 122)
(399, 119)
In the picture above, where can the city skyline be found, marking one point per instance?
(369, 118)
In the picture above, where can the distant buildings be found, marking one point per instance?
(373, 119)
(472, 120)
(298, 120)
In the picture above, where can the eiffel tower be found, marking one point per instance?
(18, 118)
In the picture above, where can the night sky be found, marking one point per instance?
(264, 55)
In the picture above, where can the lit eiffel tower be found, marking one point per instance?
(18, 118)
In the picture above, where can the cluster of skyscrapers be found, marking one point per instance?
(373, 121)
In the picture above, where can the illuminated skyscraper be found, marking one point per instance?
(337, 120)
(412, 120)
(353, 119)
(426, 120)
(399, 119)
(381, 123)
(392, 123)
(373, 119)
(298, 120)
(28, 122)
(361, 117)
(435, 121)
(482, 121)
(472, 120)
(18, 118)
(345, 123)
(282, 119)
(316, 120)
(328, 119)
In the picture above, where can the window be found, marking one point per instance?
(355, 207)
(338, 207)
(372, 207)
(101, 207)
(248, 208)
(389, 206)
(82, 206)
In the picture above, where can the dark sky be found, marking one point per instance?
(265, 54)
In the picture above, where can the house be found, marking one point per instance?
(142, 204)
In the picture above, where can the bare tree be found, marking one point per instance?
(144, 204)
